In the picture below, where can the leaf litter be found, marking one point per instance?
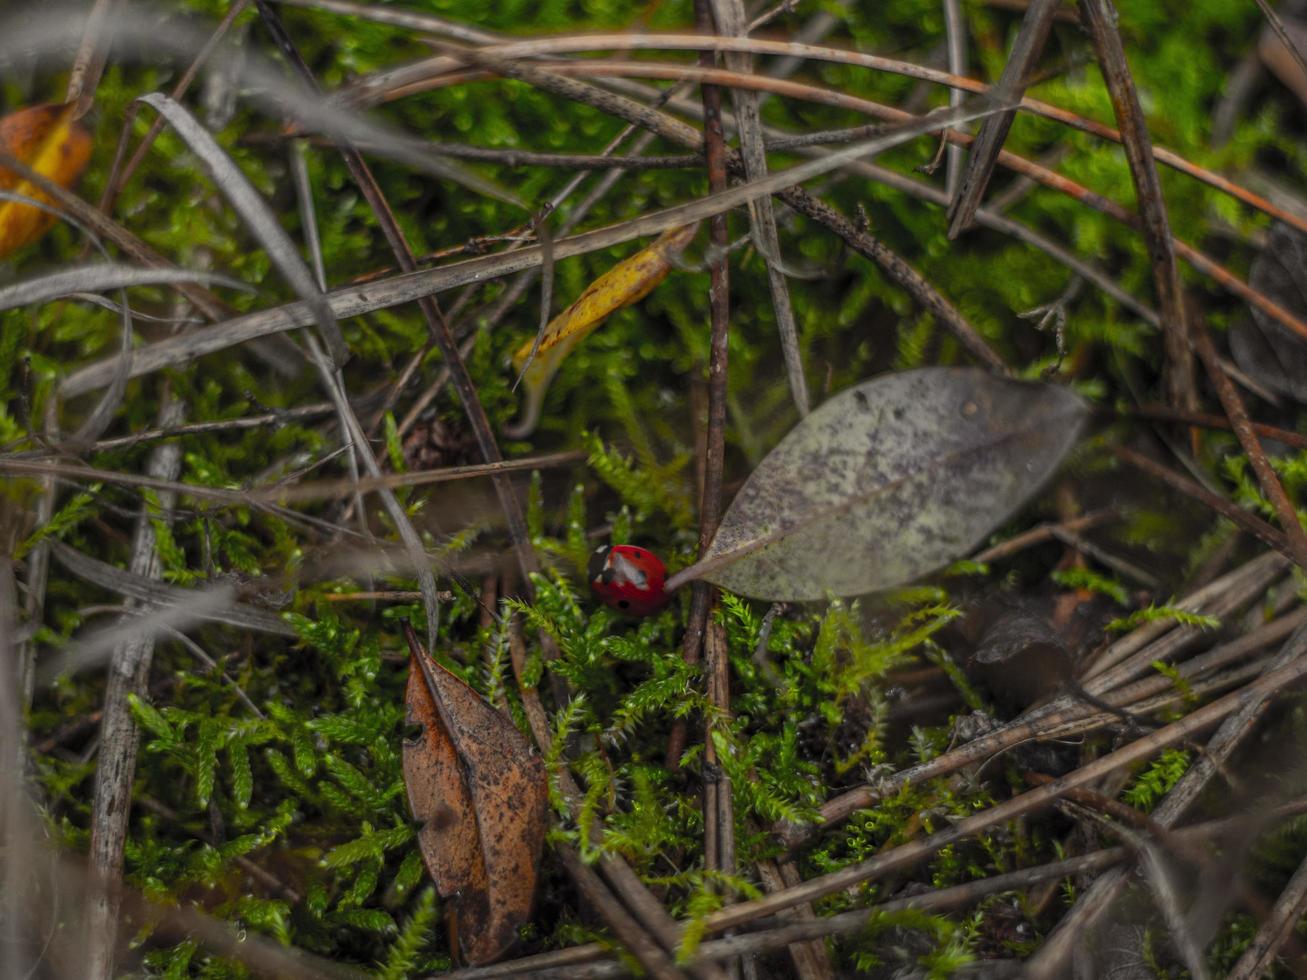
(480, 795)
(887, 481)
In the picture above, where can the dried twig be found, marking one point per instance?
(1237, 412)
(1256, 698)
(1277, 25)
(391, 82)
(1127, 656)
(129, 668)
(1275, 930)
(1243, 519)
(88, 66)
(1100, 16)
(984, 152)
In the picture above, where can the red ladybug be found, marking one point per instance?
(629, 578)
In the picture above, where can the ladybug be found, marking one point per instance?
(629, 579)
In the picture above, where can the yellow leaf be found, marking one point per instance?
(47, 139)
(628, 282)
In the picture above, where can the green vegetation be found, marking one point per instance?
(284, 753)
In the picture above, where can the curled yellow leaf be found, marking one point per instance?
(48, 140)
(628, 282)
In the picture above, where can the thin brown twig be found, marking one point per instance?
(1042, 533)
(1237, 413)
(1012, 161)
(1178, 372)
(351, 301)
(1242, 519)
(1163, 413)
(382, 85)
(714, 447)
(1018, 164)
(383, 596)
(1276, 930)
(1259, 691)
(855, 920)
(1277, 25)
(796, 198)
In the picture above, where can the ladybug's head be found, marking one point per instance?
(599, 565)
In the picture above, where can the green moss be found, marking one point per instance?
(308, 783)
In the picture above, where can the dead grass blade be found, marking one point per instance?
(731, 21)
(134, 32)
(101, 276)
(132, 645)
(91, 55)
(354, 300)
(147, 590)
(257, 216)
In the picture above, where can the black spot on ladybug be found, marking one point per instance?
(623, 604)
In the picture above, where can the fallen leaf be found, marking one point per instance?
(887, 481)
(628, 282)
(481, 798)
(1264, 348)
(47, 139)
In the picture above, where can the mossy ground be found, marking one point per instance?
(312, 790)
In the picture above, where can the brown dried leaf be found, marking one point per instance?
(51, 142)
(481, 797)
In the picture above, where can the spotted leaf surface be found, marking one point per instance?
(480, 796)
(887, 481)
